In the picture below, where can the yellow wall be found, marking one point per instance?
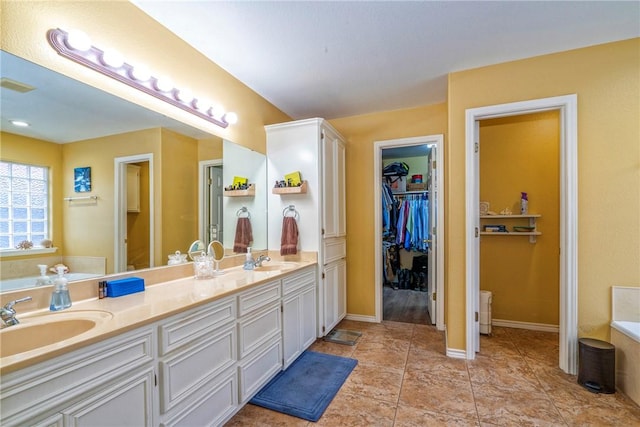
(606, 79)
(179, 193)
(20, 149)
(361, 132)
(139, 38)
(520, 153)
(89, 228)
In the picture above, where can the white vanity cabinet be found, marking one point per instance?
(315, 149)
(197, 363)
(109, 383)
(298, 313)
(259, 337)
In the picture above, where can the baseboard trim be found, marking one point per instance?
(456, 353)
(544, 327)
(361, 318)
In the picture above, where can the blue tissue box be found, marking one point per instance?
(120, 287)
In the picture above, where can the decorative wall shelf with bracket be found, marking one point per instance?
(249, 192)
(302, 189)
(531, 223)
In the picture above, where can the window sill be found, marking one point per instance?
(8, 253)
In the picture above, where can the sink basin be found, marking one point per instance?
(42, 330)
(277, 266)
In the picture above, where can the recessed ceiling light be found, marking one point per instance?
(19, 123)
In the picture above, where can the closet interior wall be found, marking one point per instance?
(405, 257)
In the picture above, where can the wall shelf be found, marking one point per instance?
(532, 223)
(302, 189)
(249, 192)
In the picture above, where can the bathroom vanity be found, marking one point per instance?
(183, 352)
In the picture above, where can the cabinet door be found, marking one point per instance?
(124, 403)
(340, 189)
(291, 329)
(335, 294)
(133, 188)
(329, 179)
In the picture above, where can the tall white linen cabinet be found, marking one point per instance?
(316, 150)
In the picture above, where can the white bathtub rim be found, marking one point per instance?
(627, 327)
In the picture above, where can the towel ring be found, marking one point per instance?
(243, 210)
(290, 209)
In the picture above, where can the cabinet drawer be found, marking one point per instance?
(213, 407)
(256, 329)
(188, 327)
(185, 371)
(260, 296)
(334, 249)
(299, 280)
(34, 390)
(258, 369)
(124, 403)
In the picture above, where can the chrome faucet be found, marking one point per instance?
(261, 259)
(8, 314)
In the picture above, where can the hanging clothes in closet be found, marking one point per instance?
(412, 226)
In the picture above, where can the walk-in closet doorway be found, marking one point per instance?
(431, 150)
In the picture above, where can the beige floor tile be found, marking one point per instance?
(406, 416)
(504, 372)
(404, 378)
(350, 410)
(376, 382)
(387, 352)
(512, 407)
(429, 362)
(430, 392)
(255, 416)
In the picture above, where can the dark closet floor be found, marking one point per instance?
(405, 305)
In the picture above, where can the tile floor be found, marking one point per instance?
(404, 379)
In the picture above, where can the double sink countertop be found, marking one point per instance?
(42, 334)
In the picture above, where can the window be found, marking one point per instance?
(24, 204)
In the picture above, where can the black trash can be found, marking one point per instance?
(597, 365)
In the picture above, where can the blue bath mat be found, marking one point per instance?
(307, 387)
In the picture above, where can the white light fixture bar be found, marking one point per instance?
(110, 63)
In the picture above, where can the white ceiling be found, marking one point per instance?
(337, 59)
(322, 59)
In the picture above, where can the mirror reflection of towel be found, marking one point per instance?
(244, 235)
(289, 239)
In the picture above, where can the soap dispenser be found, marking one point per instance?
(249, 262)
(60, 298)
(43, 279)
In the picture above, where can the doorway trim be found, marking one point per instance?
(568, 328)
(203, 166)
(120, 210)
(437, 140)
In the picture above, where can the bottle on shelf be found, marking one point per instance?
(524, 204)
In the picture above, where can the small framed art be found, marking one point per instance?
(82, 180)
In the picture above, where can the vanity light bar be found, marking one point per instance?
(75, 45)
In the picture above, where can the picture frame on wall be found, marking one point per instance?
(82, 180)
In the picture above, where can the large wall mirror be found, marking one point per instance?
(157, 161)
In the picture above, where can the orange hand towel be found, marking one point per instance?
(289, 239)
(244, 235)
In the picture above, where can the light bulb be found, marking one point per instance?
(78, 40)
(141, 73)
(163, 84)
(184, 95)
(217, 111)
(112, 58)
(19, 123)
(231, 118)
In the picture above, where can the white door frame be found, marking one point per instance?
(120, 210)
(203, 166)
(437, 140)
(568, 328)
